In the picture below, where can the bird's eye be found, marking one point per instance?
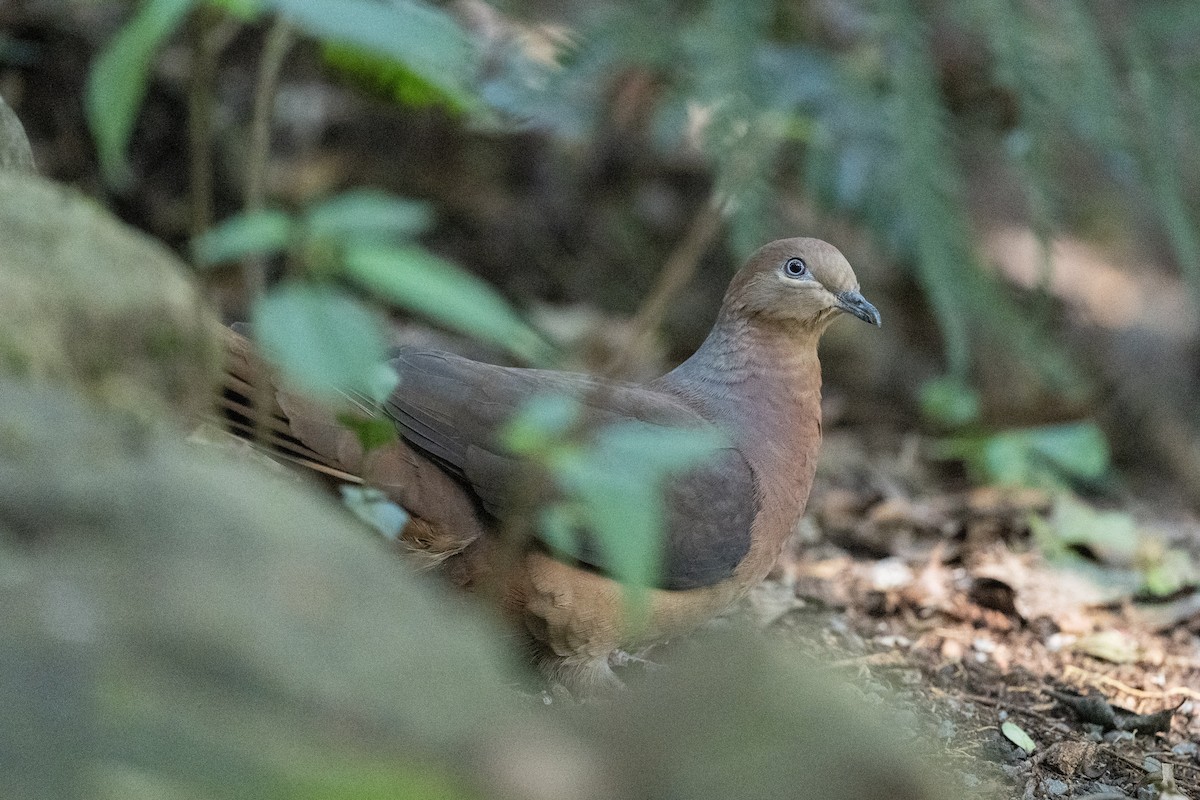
(795, 268)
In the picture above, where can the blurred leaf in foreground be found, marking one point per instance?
(366, 215)
(118, 80)
(611, 482)
(416, 280)
(255, 233)
(419, 38)
(323, 340)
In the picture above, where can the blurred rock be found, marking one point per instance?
(740, 717)
(178, 621)
(90, 302)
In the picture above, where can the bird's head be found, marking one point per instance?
(801, 281)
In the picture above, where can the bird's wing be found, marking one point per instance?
(452, 408)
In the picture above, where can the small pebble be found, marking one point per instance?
(984, 645)
(1055, 787)
(1186, 749)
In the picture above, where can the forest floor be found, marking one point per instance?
(940, 601)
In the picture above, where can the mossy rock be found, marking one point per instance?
(181, 625)
(88, 300)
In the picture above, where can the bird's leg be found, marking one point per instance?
(623, 658)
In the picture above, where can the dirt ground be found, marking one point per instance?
(937, 600)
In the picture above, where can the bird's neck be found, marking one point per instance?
(771, 368)
(762, 383)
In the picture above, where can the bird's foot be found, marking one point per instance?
(623, 658)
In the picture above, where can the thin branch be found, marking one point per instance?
(676, 273)
(205, 50)
(517, 527)
(254, 269)
(279, 41)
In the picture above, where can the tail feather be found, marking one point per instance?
(445, 517)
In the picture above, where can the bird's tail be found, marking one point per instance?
(252, 407)
(312, 436)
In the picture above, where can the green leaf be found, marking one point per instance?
(618, 483)
(322, 339)
(419, 281)
(1111, 535)
(368, 216)
(559, 526)
(372, 507)
(245, 10)
(950, 402)
(390, 79)
(255, 233)
(1017, 736)
(119, 77)
(612, 487)
(1165, 572)
(1052, 456)
(626, 519)
(541, 425)
(371, 432)
(424, 39)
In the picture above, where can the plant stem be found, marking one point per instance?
(200, 118)
(675, 274)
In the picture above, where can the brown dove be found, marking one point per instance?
(756, 377)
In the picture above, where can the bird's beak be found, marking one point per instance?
(854, 303)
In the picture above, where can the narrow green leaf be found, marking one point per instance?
(419, 281)
(390, 79)
(117, 82)
(256, 233)
(368, 216)
(421, 37)
(323, 339)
